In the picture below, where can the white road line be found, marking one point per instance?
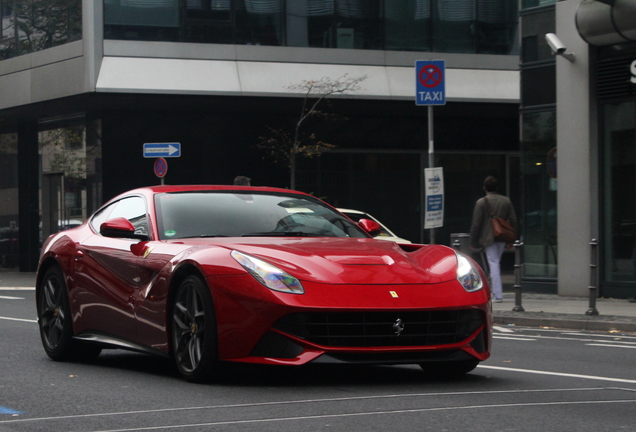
(17, 288)
(589, 338)
(11, 298)
(360, 414)
(607, 345)
(568, 375)
(513, 338)
(17, 319)
(306, 401)
(503, 329)
(612, 336)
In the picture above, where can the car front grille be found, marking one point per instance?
(383, 329)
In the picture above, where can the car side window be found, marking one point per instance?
(132, 208)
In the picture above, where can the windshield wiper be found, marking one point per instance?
(282, 234)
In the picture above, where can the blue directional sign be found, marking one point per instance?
(158, 150)
(430, 83)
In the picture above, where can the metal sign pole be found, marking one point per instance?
(430, 89)
(431, 157)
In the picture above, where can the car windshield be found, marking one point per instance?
(247, 214)
(357, 216)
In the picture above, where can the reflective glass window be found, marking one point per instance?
(259, 22)
(540, 189)
(496, 26)
(619, 186)
(9, 212)
(454, 25)
(141, 19)
(29, 26)
(71, 175)
(407, 25)
(526, 4)
(468, 26)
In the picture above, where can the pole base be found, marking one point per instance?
(591, 312)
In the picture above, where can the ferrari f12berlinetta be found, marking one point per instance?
(210, 274)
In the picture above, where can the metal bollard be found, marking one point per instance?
(593, 267)
(518, 271)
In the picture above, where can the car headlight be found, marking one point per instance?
(467, 274)
(270, 276)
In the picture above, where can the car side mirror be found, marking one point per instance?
(370, 226)
(120, 228)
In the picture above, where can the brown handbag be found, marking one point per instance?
(502, 230)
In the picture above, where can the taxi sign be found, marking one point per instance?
(430, 86)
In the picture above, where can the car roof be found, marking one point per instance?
(203, 188)
(344, 210)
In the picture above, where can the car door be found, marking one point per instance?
(107, 273)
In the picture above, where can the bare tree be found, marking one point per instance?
(286, 146)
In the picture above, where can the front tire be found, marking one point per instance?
(56, 323)
(193, 331)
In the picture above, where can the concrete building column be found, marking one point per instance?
(576, 155)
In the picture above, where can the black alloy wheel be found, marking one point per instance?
(193, 327)
(55, 321)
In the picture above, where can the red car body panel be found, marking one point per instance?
(122, 287)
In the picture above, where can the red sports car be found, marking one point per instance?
(209, 274)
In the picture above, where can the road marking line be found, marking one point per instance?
(611, 336)
(305, 401)
(503, 329)
(611, 345)
(360, 414)
(530, 371)
(11, 298)
(521, 338)
(17, 319)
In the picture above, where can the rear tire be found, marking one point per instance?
(193, 331)
(56, 323)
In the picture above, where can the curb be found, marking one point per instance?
(573, 322)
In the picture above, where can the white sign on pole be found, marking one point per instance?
(434, 186)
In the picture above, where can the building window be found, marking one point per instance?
(619, 191)
(483, 26)
(37, 25)
(527, 4)
(407, 25)
(538, 149)
(9, 212)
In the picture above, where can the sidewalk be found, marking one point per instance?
(540, 310)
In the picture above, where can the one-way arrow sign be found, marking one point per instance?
(157, 150)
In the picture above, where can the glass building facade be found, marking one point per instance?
(62, 154)
(34, 25)
(617, 121)
(463, 26)
(538, 147)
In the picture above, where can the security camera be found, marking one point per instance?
(555, 43)
(557, 46)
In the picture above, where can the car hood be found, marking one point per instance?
(356, 261)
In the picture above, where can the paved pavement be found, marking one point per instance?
(539, 310)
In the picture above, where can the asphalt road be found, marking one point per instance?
(536, 380)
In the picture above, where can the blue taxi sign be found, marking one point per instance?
(430, 85)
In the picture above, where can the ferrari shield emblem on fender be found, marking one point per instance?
(398, 326)
(147, 251)
(393, 294)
